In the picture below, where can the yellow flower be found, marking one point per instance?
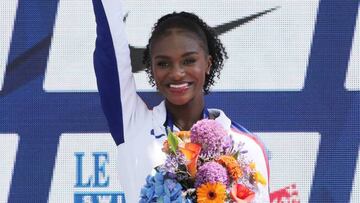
(259, 178)
(211, 192)
(183, 135)
(252, 166)
(231, 165)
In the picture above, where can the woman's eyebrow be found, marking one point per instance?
(161, 57)
(168, 57)
(189, 53)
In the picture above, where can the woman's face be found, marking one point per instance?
(179, 65)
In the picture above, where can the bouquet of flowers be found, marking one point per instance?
(203, 165)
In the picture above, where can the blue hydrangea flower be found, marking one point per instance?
(147, 193)
(161, 189)
(172, 191)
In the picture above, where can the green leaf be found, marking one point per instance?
(173, 141)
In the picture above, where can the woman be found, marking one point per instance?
(182, 59)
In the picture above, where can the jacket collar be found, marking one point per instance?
(159, 120)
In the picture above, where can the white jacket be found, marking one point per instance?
(137, 130)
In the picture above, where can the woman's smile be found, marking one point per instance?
(179, 88)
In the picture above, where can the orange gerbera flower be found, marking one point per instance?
(231, 165)
(211, 192)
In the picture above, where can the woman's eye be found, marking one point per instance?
(162, 64)
(189, 61)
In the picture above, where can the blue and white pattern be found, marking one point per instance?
(45, 93)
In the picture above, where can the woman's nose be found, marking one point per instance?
(177, 72)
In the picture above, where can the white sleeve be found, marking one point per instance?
(123, 108)
(112, 64)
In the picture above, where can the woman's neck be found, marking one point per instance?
(184, 116)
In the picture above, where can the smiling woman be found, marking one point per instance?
(182, 59)
(179, 72)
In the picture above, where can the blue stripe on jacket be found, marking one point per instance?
(105, 65)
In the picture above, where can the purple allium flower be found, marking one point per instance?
(228, 144)
(173, 161)
(210, 135)
(211, 172)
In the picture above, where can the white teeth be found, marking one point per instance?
(179, 86)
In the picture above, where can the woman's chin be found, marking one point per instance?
(178, 101)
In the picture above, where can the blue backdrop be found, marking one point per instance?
(322, 106)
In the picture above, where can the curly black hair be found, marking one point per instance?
(209, 38)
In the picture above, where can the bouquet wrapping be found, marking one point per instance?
(203, 165)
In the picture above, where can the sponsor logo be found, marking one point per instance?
(288, 194)
(137, 53)
(99, 198)
(99, 179)
(86, 172)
